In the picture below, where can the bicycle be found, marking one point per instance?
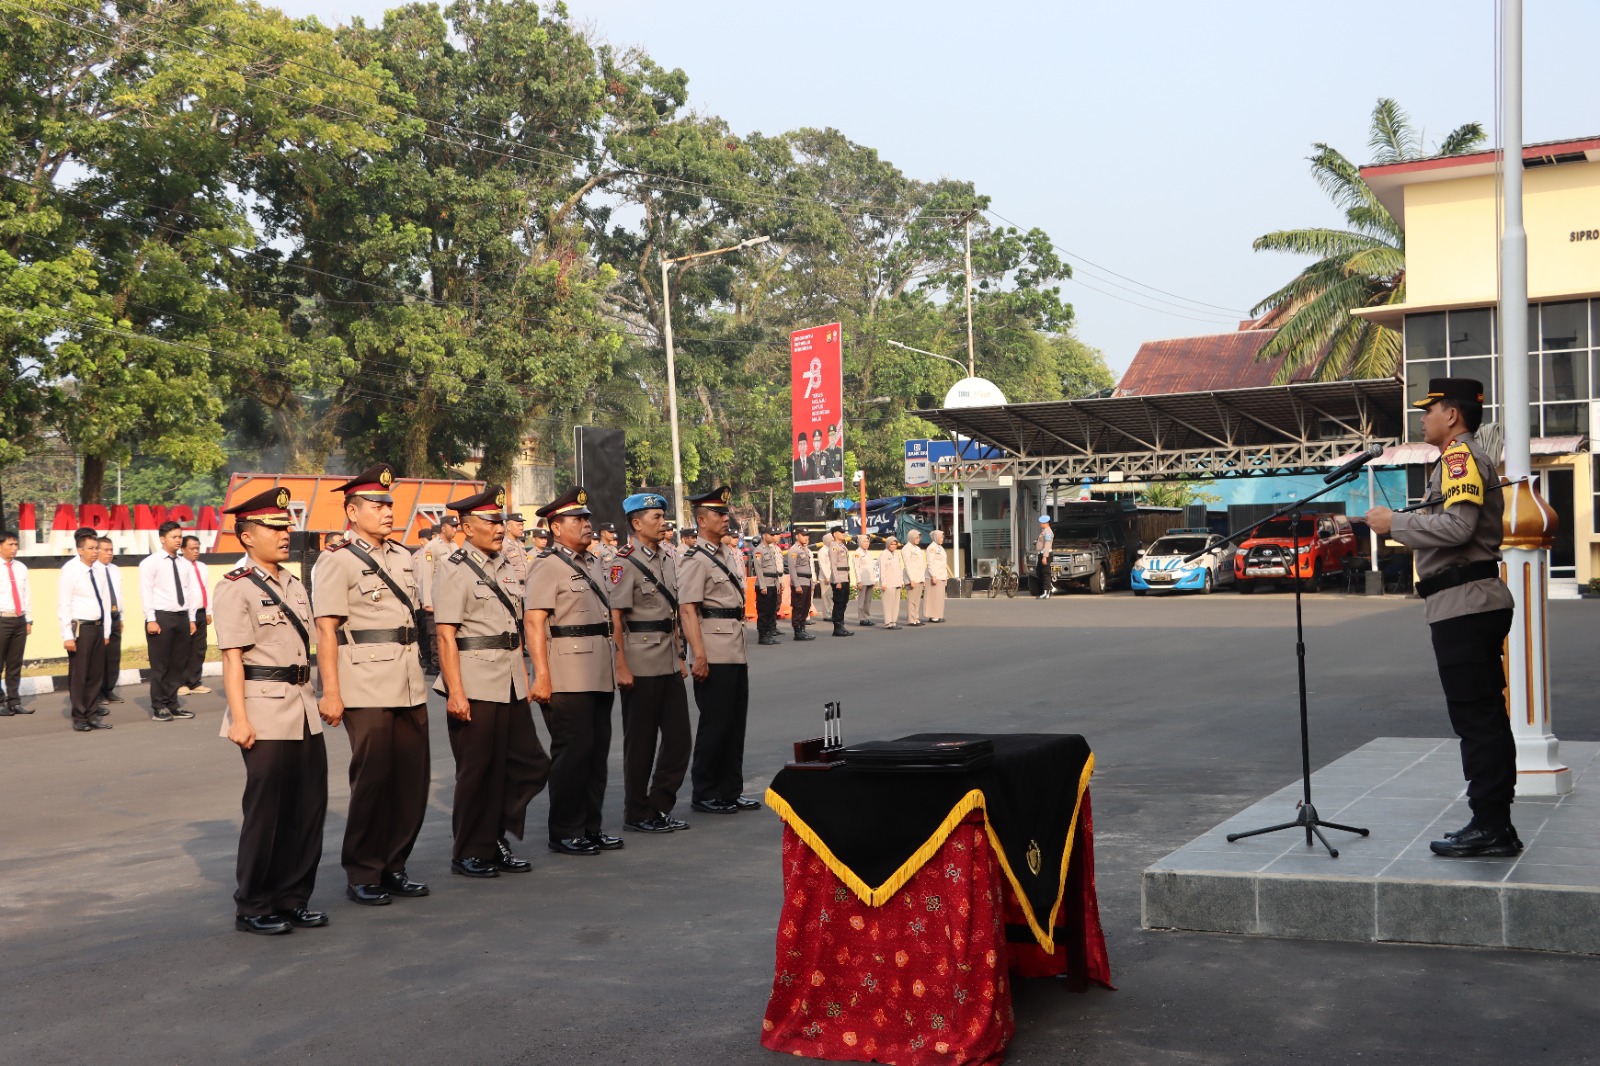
(1004, 580)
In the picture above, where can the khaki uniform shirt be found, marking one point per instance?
(891, 574)
(605, 553)
(647, 654)
(516, 553)
(866, 568)
(577, 664)
(837, 567)
(702, 582)
(422, 560)
(461, 598)
(371, 675)
(769, 566)
(1464, 527)
(938, 564)
(915, 563)
(797, 562)
(242, 616)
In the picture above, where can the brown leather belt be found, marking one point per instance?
(295, 675)
(593, 629)
(498, 642)
(378, 636)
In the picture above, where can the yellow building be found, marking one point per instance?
(1447, 207)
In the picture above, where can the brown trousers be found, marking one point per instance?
(285, 805)
(500, 767)
(580, 743)
(799, 605)
(389, 779)
(653, 706)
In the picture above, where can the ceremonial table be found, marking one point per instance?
(911, 899)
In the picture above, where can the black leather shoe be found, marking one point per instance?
(745, 803)
(7, 711)
(606, 842)
(17, 708)
(470, 867)
(396, 883)
(264, 924)
(675, 824)
(841, 631)
(658, 824)
(95, 723)
(304, 917)
(768, 638)
(179, 712)
(161, 714)
(801, 634)
(713, 807)
(82, 727)
(574, 846)
(114, 698)
(866, 623)
(368, 895)
(101, 711)
(1478, 841)
(506, 862)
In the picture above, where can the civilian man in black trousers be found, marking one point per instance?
(167, 587)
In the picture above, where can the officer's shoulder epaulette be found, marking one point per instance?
(458, 555)
(337, 547)
(545, 552)
(626, 549)
(237, 573)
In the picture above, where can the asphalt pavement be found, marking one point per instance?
(117, 856)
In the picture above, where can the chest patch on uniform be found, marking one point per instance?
(1461, 482)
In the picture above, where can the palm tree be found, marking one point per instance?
(1363, 266)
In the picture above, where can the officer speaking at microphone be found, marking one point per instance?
(650, 671)
(500, 764)
(711, 601)
(1468, 608)
(568, 621)
(262, 618)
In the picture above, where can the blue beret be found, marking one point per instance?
(644, 501)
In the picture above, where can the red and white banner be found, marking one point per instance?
(816, 436)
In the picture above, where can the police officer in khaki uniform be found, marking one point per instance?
(768, 565)
(422, 563)
(800, 566)
(365, 598)
(711, 599)
(500, 764)
(836, 571)
(262, 621)
(891, 576)
(866, 574)
(650, 672)
(1468, 607)
(606, 548)
(915, 565)
(515, 551)
(938, 578)
(568, 621)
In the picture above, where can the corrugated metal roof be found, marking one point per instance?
(1200, 364)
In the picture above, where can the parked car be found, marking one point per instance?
(1324, 541)
(1094, 547)
(1162, 566)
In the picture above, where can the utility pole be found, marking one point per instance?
(965, 222)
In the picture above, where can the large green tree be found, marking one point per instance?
(1361, 266)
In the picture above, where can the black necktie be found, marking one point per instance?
(112, 592)
(177, 579)
(96, 590)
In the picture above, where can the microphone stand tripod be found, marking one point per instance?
(1307, 818)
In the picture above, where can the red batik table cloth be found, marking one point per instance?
(924, 975)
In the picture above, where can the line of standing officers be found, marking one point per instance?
(587, 629)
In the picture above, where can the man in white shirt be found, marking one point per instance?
(16, 622)
(190, 677)
(109, 574)
(167, 590)
(85, 619)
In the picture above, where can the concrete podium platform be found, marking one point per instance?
(1389, 886)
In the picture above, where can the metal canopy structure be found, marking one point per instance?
(1286, 429)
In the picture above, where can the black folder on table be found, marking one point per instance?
(919, 756)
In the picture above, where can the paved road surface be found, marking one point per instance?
(116, 861)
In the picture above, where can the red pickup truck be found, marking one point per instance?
(1325, 541)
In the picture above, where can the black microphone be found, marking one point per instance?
(1352, 464)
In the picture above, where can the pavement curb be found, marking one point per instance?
(40, 686)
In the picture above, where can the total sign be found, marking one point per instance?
(918, 469)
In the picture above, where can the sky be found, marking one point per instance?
(1152, 141)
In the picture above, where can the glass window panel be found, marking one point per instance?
(1413, 425)
(1566, 375)
(1533, 377)
(1566, 419)
(1565, 325)
(1533, 327)
(1481, 368)
(1425, 336)
(1417, 375)
(1471, 332)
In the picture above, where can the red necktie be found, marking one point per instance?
(205, 600)
(16, 597)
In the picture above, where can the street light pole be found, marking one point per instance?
(965, 221)
(672, 366)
